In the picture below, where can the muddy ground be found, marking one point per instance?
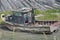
(10, 35)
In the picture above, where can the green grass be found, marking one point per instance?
(47, 11)
(48, 14)
(36, 12)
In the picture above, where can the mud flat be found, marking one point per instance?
(9, 35)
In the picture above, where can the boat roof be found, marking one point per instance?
(25, 9)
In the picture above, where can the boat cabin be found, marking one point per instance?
(22, 16)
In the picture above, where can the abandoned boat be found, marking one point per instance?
(24, 20)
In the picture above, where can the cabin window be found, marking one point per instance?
(18, 14)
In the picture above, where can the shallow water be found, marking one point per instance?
(9, 35)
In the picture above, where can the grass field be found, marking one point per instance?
(52, 14)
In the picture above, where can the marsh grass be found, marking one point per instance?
(52, 14)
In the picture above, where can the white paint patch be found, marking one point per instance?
(39, 15)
